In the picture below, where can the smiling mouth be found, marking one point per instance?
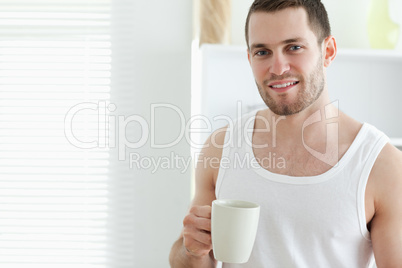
(279, 86)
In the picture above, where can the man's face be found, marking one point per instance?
(286, 60)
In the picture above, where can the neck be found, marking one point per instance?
(309, 126)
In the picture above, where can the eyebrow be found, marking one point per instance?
(284, 42)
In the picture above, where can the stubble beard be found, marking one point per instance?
(308, 93)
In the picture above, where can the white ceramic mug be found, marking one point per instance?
(233, 229)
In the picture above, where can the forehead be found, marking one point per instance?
(275, 27)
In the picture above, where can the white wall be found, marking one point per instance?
(164, 60)
(348, 22)
(239, 14)
(153, 64)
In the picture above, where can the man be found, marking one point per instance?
(336, 198)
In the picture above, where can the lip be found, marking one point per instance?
(283, 89)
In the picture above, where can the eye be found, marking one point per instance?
(294, 48)
(262, 53)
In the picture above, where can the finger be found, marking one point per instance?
(201, 211)
(203, 224)
(196, 248)
(204, 238)
(201, 236)
(196, 222)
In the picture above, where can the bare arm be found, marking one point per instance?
(386, 225)
(194, 247)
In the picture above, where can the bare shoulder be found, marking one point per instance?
(349, 127)
(386, 174)
(207, 167)
(385, 180)
(386, 225)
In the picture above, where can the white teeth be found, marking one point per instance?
(284, 85)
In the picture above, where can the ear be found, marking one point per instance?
(248, 56)
(330, 50)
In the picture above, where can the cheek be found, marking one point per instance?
(305, 65)
(302, 64)
(260, 69)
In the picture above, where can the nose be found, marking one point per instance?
(280, 65)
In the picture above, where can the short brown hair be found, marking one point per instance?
(317, 15)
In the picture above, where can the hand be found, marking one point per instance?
(197, 231)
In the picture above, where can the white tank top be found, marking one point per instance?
(316, 221)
